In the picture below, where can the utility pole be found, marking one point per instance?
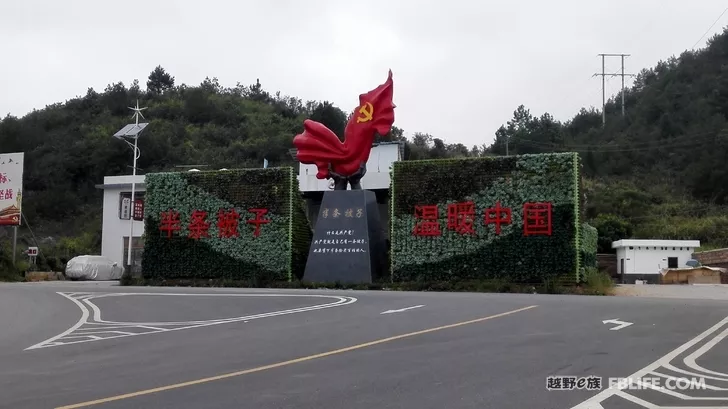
(132, 131)
(603, 74)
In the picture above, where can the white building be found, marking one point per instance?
(378, 167)
(117, 207)
(118, 214)
(643, 259)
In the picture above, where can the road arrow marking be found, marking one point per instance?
(400, 310)
(620, 324)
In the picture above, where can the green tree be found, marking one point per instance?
(610, 228)
(159, 81)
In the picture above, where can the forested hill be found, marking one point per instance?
(661, 171)
(674, 131)
(658, 172)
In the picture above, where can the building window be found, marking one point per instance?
(631, 248)
(672, 262)
(673, 249)
(126, 210)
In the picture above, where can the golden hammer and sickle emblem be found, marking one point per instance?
(366, 111)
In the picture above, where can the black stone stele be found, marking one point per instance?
(348, 243)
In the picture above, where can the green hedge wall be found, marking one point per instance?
(588, 248)
(512, 181)
(277, 253)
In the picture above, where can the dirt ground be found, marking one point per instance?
(690, 291)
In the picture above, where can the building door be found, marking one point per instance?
(632, 261)
(672, 262)
(621, 269)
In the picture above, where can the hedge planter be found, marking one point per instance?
(246, 224)
(514, 218)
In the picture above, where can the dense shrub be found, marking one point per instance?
(222, 242)
(435, 188)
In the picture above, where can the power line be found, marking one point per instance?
(704, 208)
(685, 144)
(695, 137)
(709, 28)
(607, 148)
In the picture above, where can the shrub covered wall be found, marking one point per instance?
(203, 225)
(441, 228)
(588, 241)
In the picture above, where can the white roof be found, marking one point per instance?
(113, 180)
(656, 243)
(122, 182)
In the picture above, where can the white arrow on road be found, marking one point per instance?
(400, 310)
(620, 324)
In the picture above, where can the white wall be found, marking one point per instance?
(377, 177)
(648, 260)
(115, 229)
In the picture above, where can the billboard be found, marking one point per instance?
(11, 186)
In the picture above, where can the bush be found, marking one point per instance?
(437, 186)
(278, 251)
(597, 282)
(588, 246)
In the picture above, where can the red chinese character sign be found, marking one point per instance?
(345, 162)
(428, 224)
(11, 185)
(139, 209)
(497, 215)
(537, 219)
(227, 223)
(461, 216)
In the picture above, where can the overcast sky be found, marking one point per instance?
(460, 67)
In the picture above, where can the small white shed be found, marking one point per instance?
(644, 259)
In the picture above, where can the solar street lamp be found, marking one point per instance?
(132, 131)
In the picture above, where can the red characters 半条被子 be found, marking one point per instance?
(320, 146)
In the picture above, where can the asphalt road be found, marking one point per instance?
(70, 345)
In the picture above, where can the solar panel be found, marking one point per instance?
(131, 130)
(122, 131)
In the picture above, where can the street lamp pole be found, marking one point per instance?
(133, 131)
(137, 154)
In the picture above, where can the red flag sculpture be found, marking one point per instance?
(346, 162)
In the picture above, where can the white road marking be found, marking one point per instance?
(93, 323)
(620, 324)
(665, 362)
(401, 309)
(690, 359)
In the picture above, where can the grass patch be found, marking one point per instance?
(43, 276)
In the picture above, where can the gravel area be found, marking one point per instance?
(686, 291)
